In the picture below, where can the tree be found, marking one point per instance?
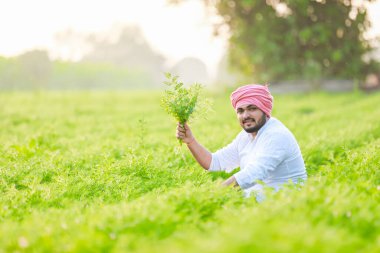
(191, 70)
(131, 50)
(296, 39)
(34, 69)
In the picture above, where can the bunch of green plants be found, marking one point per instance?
(179, 101)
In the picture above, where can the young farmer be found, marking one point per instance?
(265, 151)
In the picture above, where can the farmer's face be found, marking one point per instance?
(251, 118)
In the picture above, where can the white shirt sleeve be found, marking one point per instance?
(227, 158)
(271, 153)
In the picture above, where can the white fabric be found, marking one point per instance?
(272, 157)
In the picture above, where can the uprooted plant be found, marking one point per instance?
(181, 102)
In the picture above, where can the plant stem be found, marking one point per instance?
(182, 125)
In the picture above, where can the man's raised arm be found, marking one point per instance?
(201, 154)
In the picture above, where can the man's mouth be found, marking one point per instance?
(248, 121)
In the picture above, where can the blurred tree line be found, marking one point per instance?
(127, 63)
(276, 40)
(124, 61)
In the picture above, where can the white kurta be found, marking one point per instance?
(272, 157)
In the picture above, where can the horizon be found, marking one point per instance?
(191, 35)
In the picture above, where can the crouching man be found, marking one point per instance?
(265, 150)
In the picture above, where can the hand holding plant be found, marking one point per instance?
(184, 133)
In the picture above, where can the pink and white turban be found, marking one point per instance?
(253, 94)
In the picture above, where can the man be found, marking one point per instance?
(265, 150)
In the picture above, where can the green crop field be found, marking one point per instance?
(102, 171)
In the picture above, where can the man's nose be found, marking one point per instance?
(245, 114)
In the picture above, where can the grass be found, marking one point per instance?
(102, 171)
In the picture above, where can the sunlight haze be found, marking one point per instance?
(173, 31)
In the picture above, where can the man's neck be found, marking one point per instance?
(254, 134)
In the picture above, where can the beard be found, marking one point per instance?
(258, 125)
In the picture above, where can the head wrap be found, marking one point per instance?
(253, 94)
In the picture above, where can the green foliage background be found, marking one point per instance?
(98, 171)
(280, 40)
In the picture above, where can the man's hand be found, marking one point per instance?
(184, 133)
(231, 181)
(202, 155)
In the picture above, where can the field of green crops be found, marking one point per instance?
(103, 172)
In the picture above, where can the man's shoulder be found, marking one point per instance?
(277, 130)
(276, 127)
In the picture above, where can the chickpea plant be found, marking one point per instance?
(179, 101)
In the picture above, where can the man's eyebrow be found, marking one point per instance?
(252, 106)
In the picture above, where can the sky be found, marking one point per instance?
(174, 31)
